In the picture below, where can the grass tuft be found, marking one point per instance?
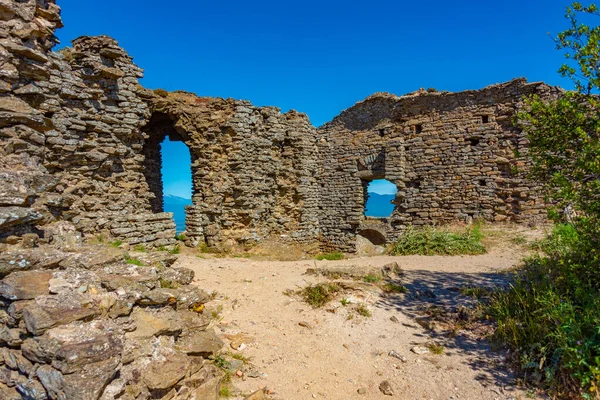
(434, 348)
(372, 278)
(394, 288)
(320, 294)
(362, 309)
(130, 260)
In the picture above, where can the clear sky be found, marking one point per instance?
(176, 170)
(322, 56)
(382, 186)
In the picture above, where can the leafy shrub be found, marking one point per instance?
(330, 256)
(431, 241)
(551, 315)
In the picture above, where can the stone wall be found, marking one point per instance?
(454, 157)
(71, 144)
(253, 169)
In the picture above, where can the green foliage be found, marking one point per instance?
(475, 292)
(394, 288)
(551, 315)
(565, 149)
(181, 237)
(372, 278)
(175, 250)
(434, 348)
(345, 302)
(116, 243)
(582, 45)
(431, 241)
(330, 256)
(320, 294)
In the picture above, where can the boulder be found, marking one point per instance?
(25, 285)
(30, 259)
(204, 384)
(49, 311)
(8, 393)
(10, 216)
(166, 370)
(203, 343)
(151, 323)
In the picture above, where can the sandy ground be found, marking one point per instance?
(340, 353)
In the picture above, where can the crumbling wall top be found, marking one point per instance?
(369, 112)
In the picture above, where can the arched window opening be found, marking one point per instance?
(168, 169)
(177, 179)
(379, 196)
(375, 237)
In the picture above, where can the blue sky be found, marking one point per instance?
(176, 171)
(382, 186)
(321, 57)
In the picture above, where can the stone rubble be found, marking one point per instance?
(70, 329)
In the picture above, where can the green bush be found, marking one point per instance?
(330, 256)
(550, 316)
(431, 241)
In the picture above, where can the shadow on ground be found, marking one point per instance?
(441, 291)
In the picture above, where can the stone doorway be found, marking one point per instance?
(168, 169)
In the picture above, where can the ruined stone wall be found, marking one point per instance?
(454, 157)
(71, 144)
(79, 139)
(253, 169)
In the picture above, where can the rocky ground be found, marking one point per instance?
(277, 341)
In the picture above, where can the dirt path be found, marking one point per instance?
(339, 354)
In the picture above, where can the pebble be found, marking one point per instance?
(394, 319)
(362, 391)
(386, 388)
(394, 354)
(305, 324)
(420, 350)
(239, 346)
